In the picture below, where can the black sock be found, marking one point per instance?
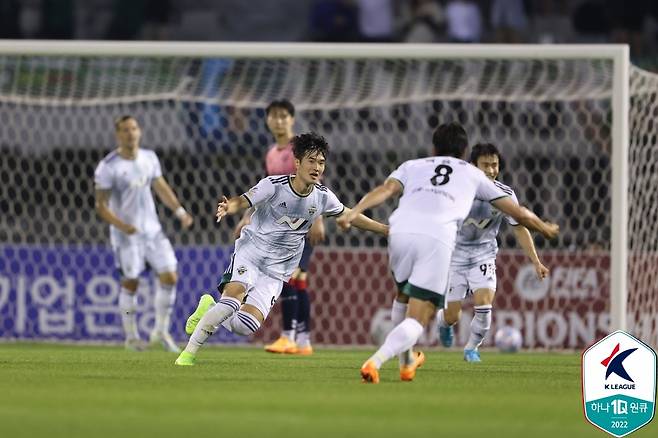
(304, 311)
(289, 307)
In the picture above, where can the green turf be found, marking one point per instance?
(52, 391)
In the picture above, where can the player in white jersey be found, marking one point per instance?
(123, 181)
(295, 303)
(473, 265)
(270, 247)
(437, 194)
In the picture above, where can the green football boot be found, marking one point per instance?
(185, 359)
(205, 303)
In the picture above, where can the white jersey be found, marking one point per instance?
(274, 239)
(437, 196)
(476, 239)
(131, 200)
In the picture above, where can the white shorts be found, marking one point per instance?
(131, 257)
(421, 261)
(262, 291)
(469, 278)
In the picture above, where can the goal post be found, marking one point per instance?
(377, 103)
(620, 157)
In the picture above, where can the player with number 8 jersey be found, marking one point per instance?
(437, 194)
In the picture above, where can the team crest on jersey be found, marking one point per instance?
(312, 210)
(241, 270)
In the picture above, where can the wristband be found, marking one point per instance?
(180, 212)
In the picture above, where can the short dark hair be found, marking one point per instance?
(119, 120)
(283, 104)
(309, 143)
(482, 149)
(450, 139)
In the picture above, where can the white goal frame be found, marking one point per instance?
(618, 54)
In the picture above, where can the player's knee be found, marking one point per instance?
(168, 278)
(244, 323)
(130, 284)
(451, 315)
(483, 297)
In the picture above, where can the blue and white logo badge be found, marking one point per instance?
(619, 384)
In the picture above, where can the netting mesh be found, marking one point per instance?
(643, 206)
(205, 118)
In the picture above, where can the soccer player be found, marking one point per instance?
(437, 194)
(295, 303)
(473, 265)
(270, 247)
(123, 181)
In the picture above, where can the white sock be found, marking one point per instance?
(398, 313)
(440, 319)
(479, 326)
(127, 307)
(245, 324)
(227, 323)
(165, 295)
(290, 334)
(303, 339)
(221, 311)
(402, 338)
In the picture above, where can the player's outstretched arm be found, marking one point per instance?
(525, 240)
(231, 206)
(526, 217)
(168, 197)
(104, 212)
(373, 198)
(365, 223)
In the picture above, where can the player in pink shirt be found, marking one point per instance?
(295, 303)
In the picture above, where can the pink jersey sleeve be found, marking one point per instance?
(280, 161)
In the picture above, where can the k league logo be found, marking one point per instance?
(619, 384)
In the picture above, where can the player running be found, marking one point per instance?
(473, 265)
(270, 247)
(437, 194)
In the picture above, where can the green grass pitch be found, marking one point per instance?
(74, 391)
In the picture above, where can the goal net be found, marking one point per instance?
(551, 117)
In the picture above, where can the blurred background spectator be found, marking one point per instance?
(509, 20)
(631, 22)
(422, 21)
(464, 21)
(376, 20)
(333, 21)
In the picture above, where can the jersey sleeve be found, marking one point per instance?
(260, 193)
(401, 173)
(510, 220)
(103, 176)
(157, 169)
(333, 207)
(486, 190)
